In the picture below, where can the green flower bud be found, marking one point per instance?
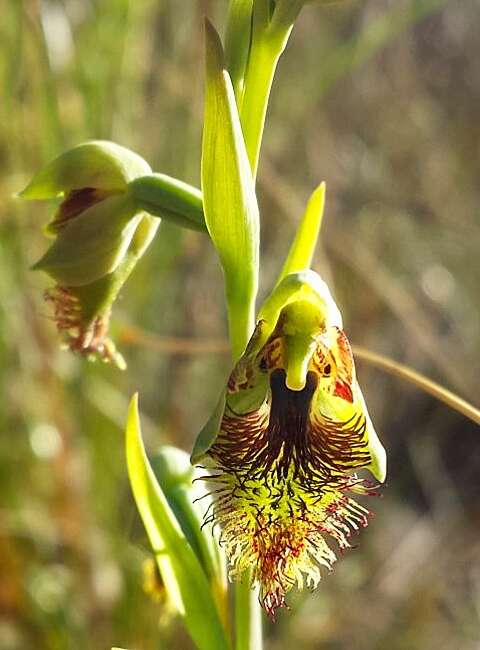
(189, 503)
(100, 233)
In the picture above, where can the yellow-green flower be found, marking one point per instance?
(100, 231)
(293, 431)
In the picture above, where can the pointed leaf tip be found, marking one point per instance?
(215, 57)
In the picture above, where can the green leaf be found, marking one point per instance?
(301, 251)
(229, 201)
(181, 571)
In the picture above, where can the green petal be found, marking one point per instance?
(301, 251)
(181, 571)
(304, 285)
(82, 313)
(97, 298)
(229, 201)
(241, 400)
(378, 466)
(96, 164)
(93, 244)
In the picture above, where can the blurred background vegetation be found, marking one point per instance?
(381, 99)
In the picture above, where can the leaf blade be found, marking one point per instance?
(181, 570)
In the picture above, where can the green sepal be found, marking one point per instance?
(97, 297)
(95, 164)
(171, 199)
(301, 251)
(229, 201)
(182, 573)
(209, 433)
(93, 243)
(239, 402)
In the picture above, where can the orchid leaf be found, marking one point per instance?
(229, 201)
(182, 573)
(187, 497)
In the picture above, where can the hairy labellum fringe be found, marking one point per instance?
(281, 488)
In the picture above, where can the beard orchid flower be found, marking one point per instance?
(285, 443)
(99, 233)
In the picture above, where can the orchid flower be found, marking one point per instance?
(293, 432)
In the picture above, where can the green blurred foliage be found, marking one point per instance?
(378, 98)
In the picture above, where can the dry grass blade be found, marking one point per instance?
(420, 381)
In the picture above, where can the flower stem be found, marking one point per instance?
(169, 198)
(248, 622)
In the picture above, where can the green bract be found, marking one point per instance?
(301, 251)
(229, 201)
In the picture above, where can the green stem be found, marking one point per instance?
(241, 322)
(248, 622)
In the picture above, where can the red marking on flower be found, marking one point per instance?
(344, 391)
(86, 337)
(76, 202)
